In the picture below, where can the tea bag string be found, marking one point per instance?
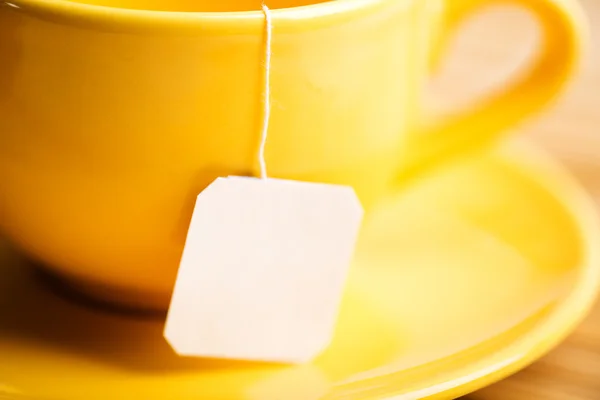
(266, 91)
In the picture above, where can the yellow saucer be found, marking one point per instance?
(458, 282)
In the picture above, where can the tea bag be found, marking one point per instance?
(264, 265)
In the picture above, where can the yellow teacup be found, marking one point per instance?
(112, 120)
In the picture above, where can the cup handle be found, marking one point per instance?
(564, 33)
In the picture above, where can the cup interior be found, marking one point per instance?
(199, 5)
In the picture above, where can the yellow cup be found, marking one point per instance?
(113, 119)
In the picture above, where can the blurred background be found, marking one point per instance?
(488, 48)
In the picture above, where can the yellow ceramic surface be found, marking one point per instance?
(457, 282)
(112, 120)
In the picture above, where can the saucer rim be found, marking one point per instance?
(541, 169)
(569, 311)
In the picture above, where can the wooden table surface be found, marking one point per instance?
(485, 53)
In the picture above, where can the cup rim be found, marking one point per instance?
(124, 20)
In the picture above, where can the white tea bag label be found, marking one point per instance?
(263, 269)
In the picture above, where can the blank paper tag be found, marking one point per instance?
(263, 269)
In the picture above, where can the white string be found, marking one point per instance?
(266, 92)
